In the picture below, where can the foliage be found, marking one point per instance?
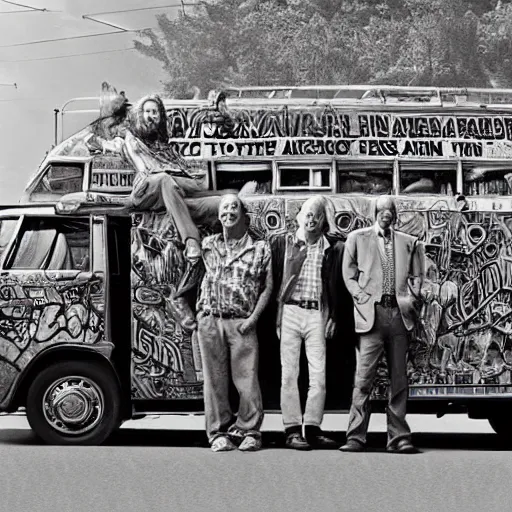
(293, 42)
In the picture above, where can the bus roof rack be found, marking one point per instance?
(384, 93)
(335, 95)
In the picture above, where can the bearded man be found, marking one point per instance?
(161, 180)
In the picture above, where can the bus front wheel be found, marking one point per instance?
(74, 402)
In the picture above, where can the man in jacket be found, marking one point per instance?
(306, 265)
(383, 271)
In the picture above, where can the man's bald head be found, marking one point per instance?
(231, 211)
(312, 215)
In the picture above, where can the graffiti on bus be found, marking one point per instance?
(165, 355)
(36, 313)
(208, 133)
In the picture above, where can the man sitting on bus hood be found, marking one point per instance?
(162, 179)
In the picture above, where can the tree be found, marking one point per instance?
(295, 42)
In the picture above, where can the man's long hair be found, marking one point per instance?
(139, 127)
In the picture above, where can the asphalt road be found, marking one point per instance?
(146, 467)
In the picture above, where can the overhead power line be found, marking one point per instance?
(21, 11)
(181, 4)
(90, 18)
(66, 38)
(70, 55)
(22, 5)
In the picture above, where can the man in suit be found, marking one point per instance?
(383, 271)
(306, 264)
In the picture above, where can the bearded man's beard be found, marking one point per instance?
(149, 133)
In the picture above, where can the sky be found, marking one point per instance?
(49, 73)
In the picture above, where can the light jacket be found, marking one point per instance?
(362, 272)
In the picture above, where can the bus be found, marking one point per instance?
(89, 337)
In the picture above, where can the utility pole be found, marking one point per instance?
(55, 122)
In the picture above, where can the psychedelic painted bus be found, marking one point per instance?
(89, 332)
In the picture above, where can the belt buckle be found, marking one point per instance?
(387, 301)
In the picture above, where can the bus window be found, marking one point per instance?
(304, 176)
(58, 179)
(248, 178)
(428, 178)
(373, 178)
(487, 179)
(52, 244)
(7, 228)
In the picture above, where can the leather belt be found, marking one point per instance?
(388, 301)
(227, 316)
(304, 304)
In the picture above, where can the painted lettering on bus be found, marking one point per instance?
(326, 122)
(467, 148)
(111, 179)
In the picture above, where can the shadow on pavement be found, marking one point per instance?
(273, 440)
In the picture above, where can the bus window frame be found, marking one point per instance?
(365, 164)
(213, 169)
(451, 164)
(492, 163)
(16, 240)
(81, 162)
(9, 248)
(308, 163)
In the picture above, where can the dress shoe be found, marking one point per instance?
(352, 446)
(321, 442)
(297, 442)
(403, 446)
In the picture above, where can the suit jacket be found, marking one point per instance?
(362, 271)
(288, 256)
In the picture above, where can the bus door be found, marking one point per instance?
(51, 289)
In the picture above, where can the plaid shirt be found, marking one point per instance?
(234, 276)
(309, 283)
(388, 262)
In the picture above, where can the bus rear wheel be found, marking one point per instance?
(502, 425)
(74, 403)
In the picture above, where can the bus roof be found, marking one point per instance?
(345, 95)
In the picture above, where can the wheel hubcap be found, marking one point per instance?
(73, 405)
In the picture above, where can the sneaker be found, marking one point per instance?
(222, 444)
(250, 444)
(295, 441)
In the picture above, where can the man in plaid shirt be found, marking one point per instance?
(310, 297)
(235, 290)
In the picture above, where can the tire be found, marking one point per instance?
(74, 403)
